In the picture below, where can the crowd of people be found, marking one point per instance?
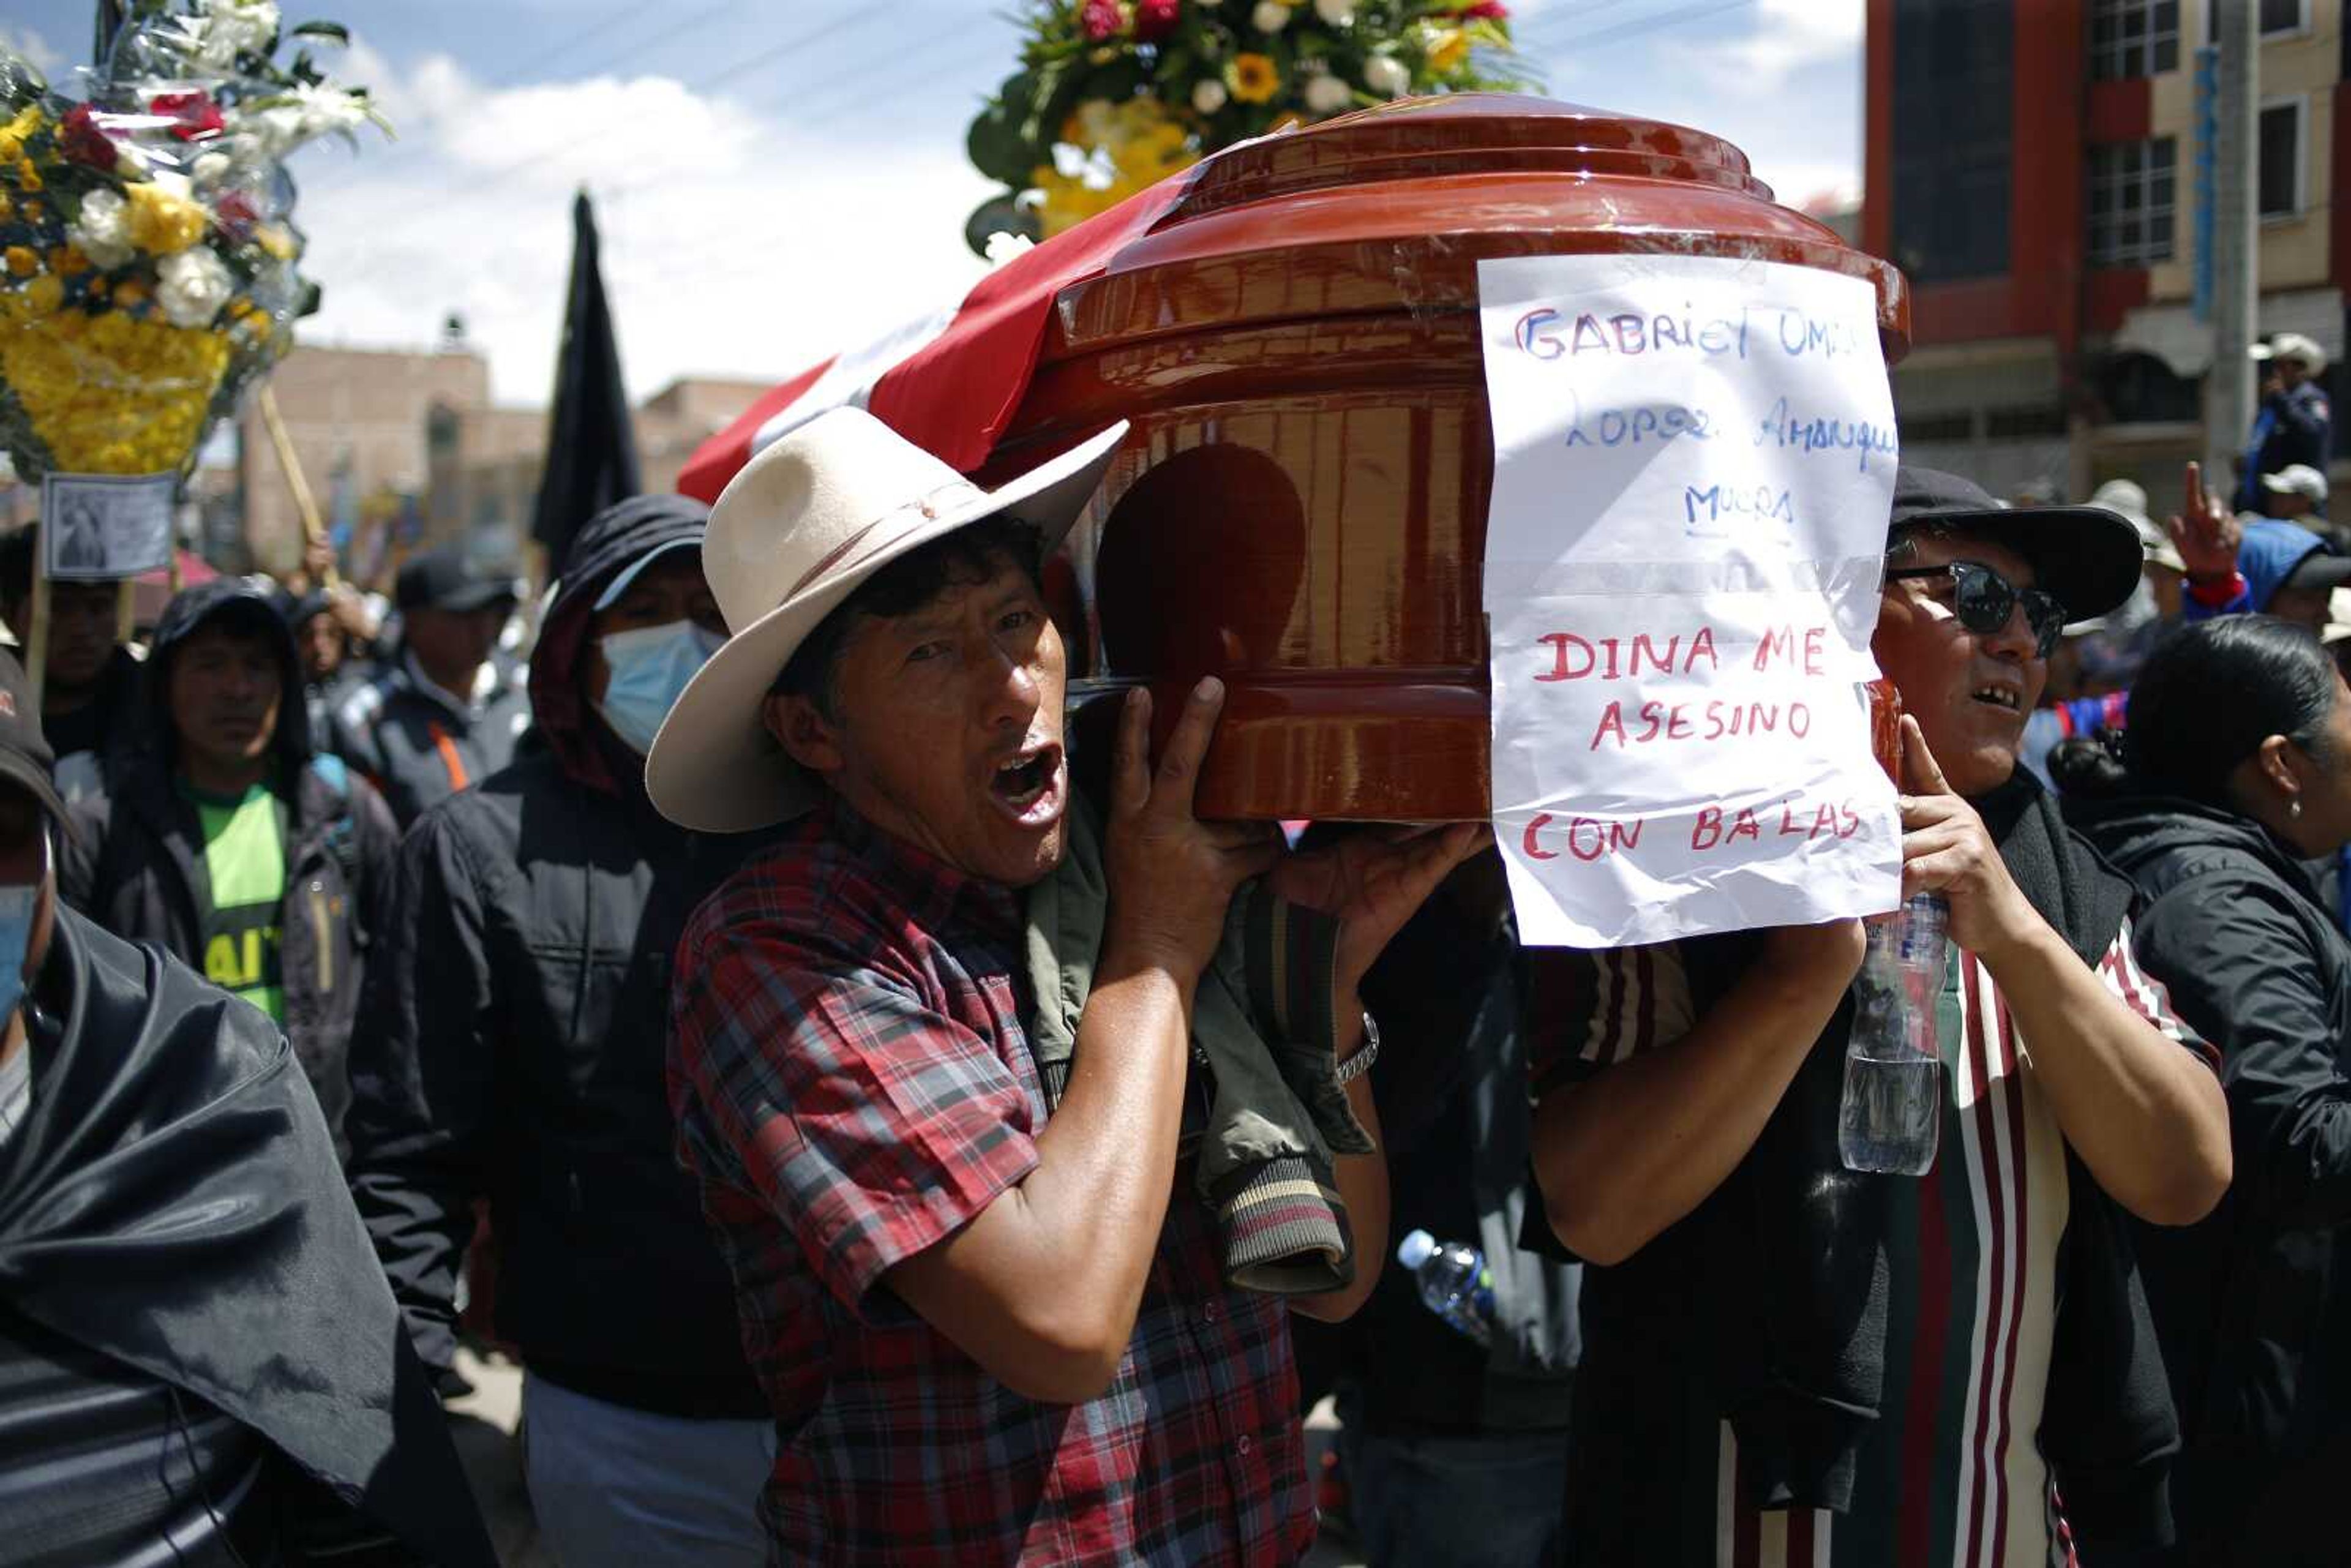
(887, 1130)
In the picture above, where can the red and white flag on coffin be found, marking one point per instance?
(951, 380)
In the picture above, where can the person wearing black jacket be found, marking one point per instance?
(89, 694)
(228, 843)
(199, 1361)
(2238, 772)
(513, 1048)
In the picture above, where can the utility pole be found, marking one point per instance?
(2235, 235)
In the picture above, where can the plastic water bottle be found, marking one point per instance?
(1893, 1067)
(1454, 1282)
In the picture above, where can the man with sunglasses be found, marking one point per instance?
(1788, 1361)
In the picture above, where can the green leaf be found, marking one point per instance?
(333, 32)
(998, 143)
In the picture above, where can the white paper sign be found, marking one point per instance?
(1693, 465)
(98, 527)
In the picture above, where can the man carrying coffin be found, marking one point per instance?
(1788, 1361)
(994, 1324)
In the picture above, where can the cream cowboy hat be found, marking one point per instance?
(791, 537)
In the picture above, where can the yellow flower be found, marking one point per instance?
(67, 259)
(159, 222)
(29, 178)
(30, 212)
(45, 294)
(12, 147)
(130, 294)
(21, 260)
(1252, 78)
(277, 239)
(111, 394)
(26, 122)
(7, 208)
(1448, 50)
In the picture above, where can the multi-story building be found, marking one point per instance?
(358, 419)
(2033, 166)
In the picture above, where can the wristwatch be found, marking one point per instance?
(1355, 1066)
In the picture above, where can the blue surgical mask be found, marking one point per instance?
(650, 667)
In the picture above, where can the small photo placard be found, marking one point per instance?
(98, 528)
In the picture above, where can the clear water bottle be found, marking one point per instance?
(1454, 1282)
(1893, 1067)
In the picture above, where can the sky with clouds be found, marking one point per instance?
(775, 180)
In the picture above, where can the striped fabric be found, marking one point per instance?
(1953, 1476)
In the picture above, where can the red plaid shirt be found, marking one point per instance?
(853, 1085)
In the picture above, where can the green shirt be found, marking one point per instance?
(244, 866)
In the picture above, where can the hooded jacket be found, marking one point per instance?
(2252, 1305)
(2266, 556)
(136, 859)
(513, 1043)
(194, 1343)
(418, 745)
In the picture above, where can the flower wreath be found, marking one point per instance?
(148, 256)
(1113, 96)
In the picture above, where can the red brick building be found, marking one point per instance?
(2032, 165)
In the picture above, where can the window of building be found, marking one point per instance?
(2279, 18)
(2282, 127)
(1954, 67)
(2134, 38)
(2134, 200)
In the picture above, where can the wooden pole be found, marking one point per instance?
(313, 529)
(126, 610)
(37, 660)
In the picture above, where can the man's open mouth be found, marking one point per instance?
(1029, 784)
(2005, 699)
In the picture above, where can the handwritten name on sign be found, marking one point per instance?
(1694, 459)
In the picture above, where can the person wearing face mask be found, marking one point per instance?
(512, 1049)
(164, 1173)
(228, 843)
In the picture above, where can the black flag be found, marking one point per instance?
(591, 449)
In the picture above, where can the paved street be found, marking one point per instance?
(484, 1424)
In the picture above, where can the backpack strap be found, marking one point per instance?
(342, 833)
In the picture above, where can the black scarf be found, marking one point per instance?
(173, 1201)
(1799, 1366)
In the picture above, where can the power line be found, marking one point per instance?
(1662, 20)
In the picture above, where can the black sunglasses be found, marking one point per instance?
(1985, 599)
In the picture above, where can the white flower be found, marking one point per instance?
(1338, 13)
(192, 286)
(98, 229)
(209, 167)
(1327, 94)
(231, 27)
(316, 112)
(1270, 16)
(1003, 246)
(1209, 95)
(1387, 76)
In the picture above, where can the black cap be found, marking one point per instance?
(2089, 556)
(25, 756)
(446, 579)
(2321, 568)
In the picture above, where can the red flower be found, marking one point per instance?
(236, 213)
(82, 139)
(198, 116)
(1486, 11)
(1155, 20)
(1101, 19)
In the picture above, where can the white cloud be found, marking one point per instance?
(1787, 37)
(734, 242)
(47, 58)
